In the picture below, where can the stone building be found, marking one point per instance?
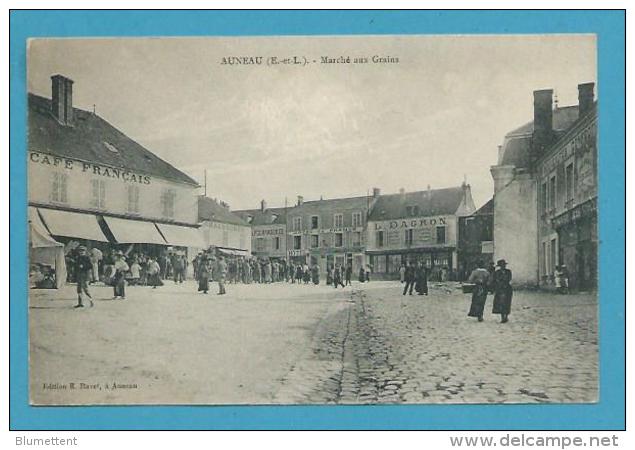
(329, 231)
(268, 230)
(476, 239)
(545, 188)
(222, 229)
(417, 226)
(89, 183)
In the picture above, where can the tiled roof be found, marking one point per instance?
(429, 203)
(487, 208)
(317, 206)
(210, 209)
(270, 216)
(94, 140)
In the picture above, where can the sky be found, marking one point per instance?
(274, 132)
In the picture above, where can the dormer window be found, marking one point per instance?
(111, 147)
(250, 219)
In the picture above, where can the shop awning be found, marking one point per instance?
(40, 236)
(180, 236)
(127, 231)
(73, 225)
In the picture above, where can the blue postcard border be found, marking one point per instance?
(607, 414)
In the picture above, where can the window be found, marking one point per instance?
(297, 242)
(568, 177)
(357, 238)
(167, 202)
(260, 244)
(379, 238)
(276, 243)
(250, 219)
(545, 268)
(315, 221)
(338, 221)
(357, 219)
(408, 210)
(409, 236)
(59, 188)
(133, 199)
(552, 192)
(339, 240)
(440, 235)
(242, 240)
(315, 241)
(297, 223)
(544, 196)
(98, 193)
(412, 210)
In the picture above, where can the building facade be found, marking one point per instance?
(327, 232)
(88, 182)
(268, 231)
(222, 229)
(417, 226)
(545, 190)
(476, 240)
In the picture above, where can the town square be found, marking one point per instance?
(199, 235)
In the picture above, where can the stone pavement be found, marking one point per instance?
(389, 348)
(290, 344)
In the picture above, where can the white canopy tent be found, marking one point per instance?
(43, 249)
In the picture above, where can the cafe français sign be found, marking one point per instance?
(95, 169)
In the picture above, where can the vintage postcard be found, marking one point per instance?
(313, 220)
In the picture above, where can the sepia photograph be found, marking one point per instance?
(311, 220)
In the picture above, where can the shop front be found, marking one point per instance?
(439, 261)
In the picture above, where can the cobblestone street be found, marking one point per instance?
(305, 344)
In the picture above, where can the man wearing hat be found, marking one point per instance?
(203, 267)
(119, 284)
(502, 290)
(83, 271)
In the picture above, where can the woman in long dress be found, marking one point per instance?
(203, 275)
(502, 291)
(480, 278)
(421, 279)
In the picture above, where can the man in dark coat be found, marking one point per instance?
(83, 270)
(502, 291)
(348, 275)
(409, 278)
(203, 274)
(421, 279)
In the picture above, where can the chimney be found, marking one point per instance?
(543, 122)
(585, 98)
(402, 191)
(376, 192)
(62, 99)
(263, 205)
(300, 200)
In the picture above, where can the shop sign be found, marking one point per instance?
(122, 174)
(584, 210)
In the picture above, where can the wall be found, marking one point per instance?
(42, 166)
(515, 227)
(424, 234)
(267, 234)
(228, 235)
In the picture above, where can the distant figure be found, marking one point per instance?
(119, 282)
(154, 273)
(83, 272)
(409, 278)
(337, 276)
(221, 273)
(402, 273)
(299, 273)
(362, 275)
(315, 274)
(502, 290)
(561, 278)
(203, 274)
(348, 275)
(421, 279)
(368, 270)
(95, 258)
(480, 278)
